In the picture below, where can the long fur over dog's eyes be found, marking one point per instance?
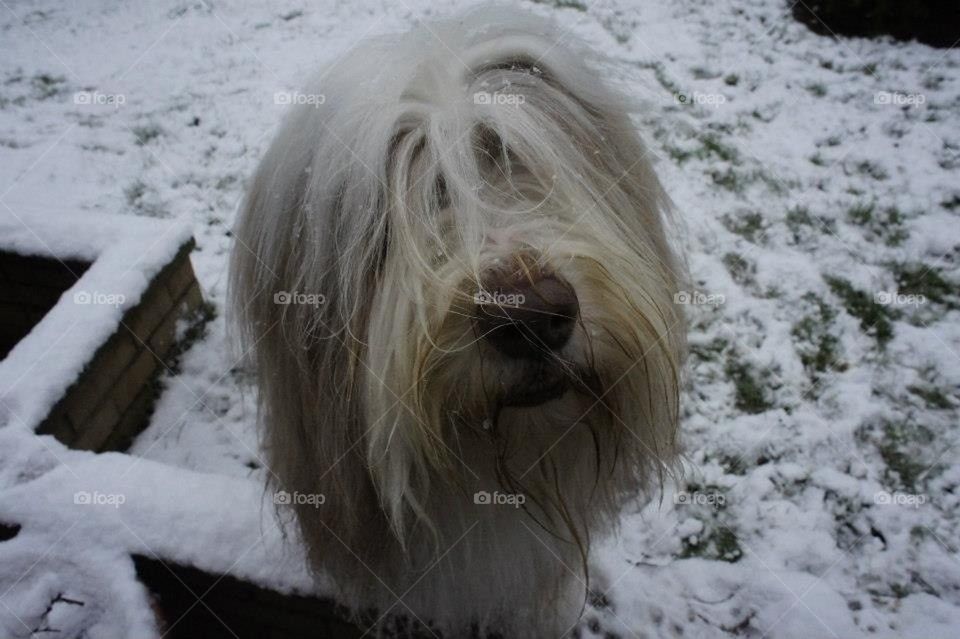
(432, 159)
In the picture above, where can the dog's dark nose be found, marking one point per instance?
(524, 317)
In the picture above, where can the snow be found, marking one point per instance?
(803, 544)
(82, 515)
(149, 508)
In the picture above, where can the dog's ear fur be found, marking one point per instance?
(289, 238)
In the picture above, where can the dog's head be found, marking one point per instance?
(457, 250)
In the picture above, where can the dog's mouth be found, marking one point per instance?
(539, 392)
(541, 384)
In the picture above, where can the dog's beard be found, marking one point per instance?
(437, 391)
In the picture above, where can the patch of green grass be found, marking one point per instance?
(875, 319)
(824, 356)
(871, 169)
(775, 184)
(716, 540)
(891, 228)
(750, 396)
(702, 73)
(728, 548)
(679, 155)
(731, 80)
(762, 117)
(817, 89)
(860, 213)
(194, 331)
(933, 81)
(225, 182)
(719, 543)
(661, 75)
(564, 4)
(798, 216)
(146, 133)
(713, 146)
(135, 191)
(921, 279)
(710, 351)
(932, 396)
(749, 225)
(803, 225)
(816, 341)
(886, 225)
(740, 269)
(46, 85)
(709, 147)
(901, 591)
(732, 464)
(728, 179)
(144, 200)
(900, 446)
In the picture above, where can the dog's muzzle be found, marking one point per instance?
(528, 319)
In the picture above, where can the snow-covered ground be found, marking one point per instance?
(819, 187)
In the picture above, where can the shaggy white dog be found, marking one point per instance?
(453, 273)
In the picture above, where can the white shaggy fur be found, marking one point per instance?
(484, 143)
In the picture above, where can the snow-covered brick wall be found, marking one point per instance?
(125, 256)
(110, 401)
